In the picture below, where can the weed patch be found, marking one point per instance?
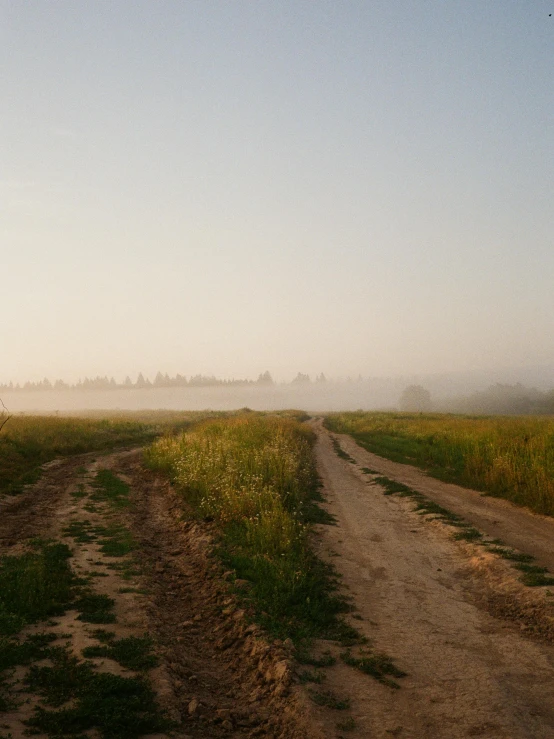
(468, 534)
(81, 531)
(34, 586)
(340, 451)
(134, 652)
(117, 707)
(347, 725)
(511, 555)
(111, 489)
(117, 541)
(96, 609)
(329, 700)
(311, 676)
(533, 575)
(379, 666)
(306, 658)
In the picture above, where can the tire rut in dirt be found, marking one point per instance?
(30, 513)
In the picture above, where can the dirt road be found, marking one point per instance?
(423, 598)
(216, 675)
(517, 527)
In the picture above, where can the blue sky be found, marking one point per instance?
(229, 187)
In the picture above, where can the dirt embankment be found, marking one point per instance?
(425, 600)
(217, 676)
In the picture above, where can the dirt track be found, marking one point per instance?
(517, 527)
(217, 676)
(425, 599)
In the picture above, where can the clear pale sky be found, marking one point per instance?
(302, 185)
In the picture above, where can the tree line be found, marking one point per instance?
(142, 382)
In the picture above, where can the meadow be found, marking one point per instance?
(27, 442)
(512, 458)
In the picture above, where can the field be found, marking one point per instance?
(254, 574)
(27, 442)
(512, 458)
(255, 477)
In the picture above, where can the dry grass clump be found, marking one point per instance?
(512, 458)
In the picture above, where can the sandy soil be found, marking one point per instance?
(424, 601)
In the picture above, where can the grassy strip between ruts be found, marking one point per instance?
(255, 477)
(511, 458)
(532, 575)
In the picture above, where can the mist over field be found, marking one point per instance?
(360, 189)
(500, 392)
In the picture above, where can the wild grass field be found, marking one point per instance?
(512, 458)
(27, 442)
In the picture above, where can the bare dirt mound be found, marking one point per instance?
(419, 594)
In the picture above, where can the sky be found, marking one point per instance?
(228, 187)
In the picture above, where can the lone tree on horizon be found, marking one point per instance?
(415, 399)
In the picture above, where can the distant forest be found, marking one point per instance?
(499, 399)
(142, 383)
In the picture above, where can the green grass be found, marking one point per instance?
(116, 707)
(133, 652)
(347, 725)
(311, 676)
(255, 477)
(379, 666)
(81, 531)
(533, 575)
(111, 489)
(14, 652)
(117, 540)
(340, 451)
(27, 442)
(95, 608)
(34, 586)
(329, 700)
(512, 458)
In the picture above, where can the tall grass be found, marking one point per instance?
(512, 458)
(254, 476)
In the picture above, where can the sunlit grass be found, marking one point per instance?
(254, 476)
(511, 458)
